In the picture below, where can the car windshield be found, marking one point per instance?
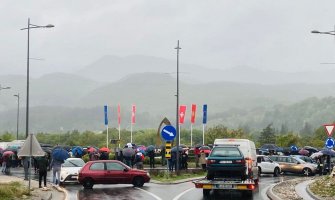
(74, 163)
(205, 148)
(225, 152)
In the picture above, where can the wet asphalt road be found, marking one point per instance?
(151, 191)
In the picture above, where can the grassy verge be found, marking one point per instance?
(166, 176)
(12, 190)
(324, 187)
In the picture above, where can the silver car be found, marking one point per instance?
(295, 165)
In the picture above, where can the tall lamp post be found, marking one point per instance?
(177, 112)
(30, 26)
(18, 115)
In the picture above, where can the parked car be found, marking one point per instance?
(206, 149)
(267, 166)
(111, 172)
(293, 164)
(305, 158)
(70, 170)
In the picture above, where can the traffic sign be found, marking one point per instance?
(168, 133)
(329, 129)
(168, 149)
(330, 143)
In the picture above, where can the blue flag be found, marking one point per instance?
(204, 116)
(106, 118)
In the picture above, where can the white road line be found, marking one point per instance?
(181, 194)
(151, 194)
(263, 193)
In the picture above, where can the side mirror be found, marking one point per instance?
(125, 169)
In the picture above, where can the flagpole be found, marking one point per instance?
(191, 134)
(203, 134)
(131, 133)
(107, 135)
(119, 134)
(179, 135)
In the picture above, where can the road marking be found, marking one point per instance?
(181, 194)
(151, 194)
(263, 193)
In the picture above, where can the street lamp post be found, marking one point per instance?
(177, 112)
(30, 26)
(18, 115)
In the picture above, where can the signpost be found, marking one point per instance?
(168, 134)
(330, 143)
(329, 129)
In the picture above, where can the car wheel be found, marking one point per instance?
(206, 192)
(307, 171)
(138, 181)
(276, 172)
(88, 183)
(247, 193)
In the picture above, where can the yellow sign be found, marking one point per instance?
(168, 153)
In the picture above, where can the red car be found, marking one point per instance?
(111, 172)
(206, 149)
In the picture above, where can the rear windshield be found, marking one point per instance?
(226, 152)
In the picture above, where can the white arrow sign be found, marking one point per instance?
(168, 132)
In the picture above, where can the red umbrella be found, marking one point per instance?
(303, 152)
(104, 149)
(7, 153)
(91, 149)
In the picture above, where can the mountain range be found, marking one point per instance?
(236, 97)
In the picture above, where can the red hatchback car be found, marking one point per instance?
(111, 172)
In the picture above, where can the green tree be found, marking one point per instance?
(267, 135)
(220, 131)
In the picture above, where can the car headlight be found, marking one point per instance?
(148, 174)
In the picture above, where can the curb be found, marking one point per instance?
(310, 193)
(271, 194)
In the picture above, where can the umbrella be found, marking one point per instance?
(142, 147)
(77, 151)
(328, 152)
(92, 149)
(60, 154)
(7, 153)
(316, 155)
(303, 152)
(104, 149)
(128, 152)
(1, 149)
(174, 149)
(150, 148)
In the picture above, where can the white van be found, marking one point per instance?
(248, 148)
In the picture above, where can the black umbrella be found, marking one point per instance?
(150, 148)
(174, 149)
(128, 152)
(328, 152)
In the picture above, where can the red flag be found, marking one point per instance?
(182, 111)
(118, 114)
(133, 110)
(194, 109)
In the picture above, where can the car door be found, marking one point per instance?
(268, 164)
(97, 172)
(115, 173)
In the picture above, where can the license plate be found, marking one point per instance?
(226, 161)
(225, 186)
(74, 177)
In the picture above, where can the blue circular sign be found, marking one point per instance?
(330, 143)
(168, 133)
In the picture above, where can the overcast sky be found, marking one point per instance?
(264, 34)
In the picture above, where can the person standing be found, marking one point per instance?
(56, 167)
(196, 156)
(151, 155)
(42, 163)
(202, 160)
(26, 162)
